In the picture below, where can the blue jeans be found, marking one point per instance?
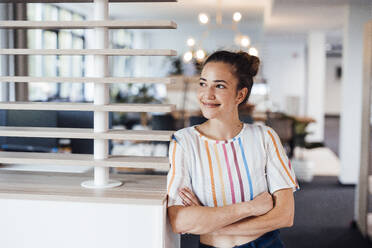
(268, 240)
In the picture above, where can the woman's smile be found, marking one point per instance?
(211, 105)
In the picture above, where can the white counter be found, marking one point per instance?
(52, 210)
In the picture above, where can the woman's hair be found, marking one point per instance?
(244, 67)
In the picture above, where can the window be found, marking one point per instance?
(69, 66)
(121, 66)
(55, 65)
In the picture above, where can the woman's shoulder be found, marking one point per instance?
(260, 130)
(184, 135)
(255, 127)
(267, 133)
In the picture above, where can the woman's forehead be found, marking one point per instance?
(217, 70)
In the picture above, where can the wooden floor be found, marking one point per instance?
(136, 189)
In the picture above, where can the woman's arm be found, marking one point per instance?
(197, 219)
(280, 216)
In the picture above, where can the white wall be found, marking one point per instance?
(283, 64)
(332, 97)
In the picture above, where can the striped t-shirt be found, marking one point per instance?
(225, 172)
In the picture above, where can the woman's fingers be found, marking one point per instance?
(185, 203)
(185, 199)
(187, 195)
(193, 196)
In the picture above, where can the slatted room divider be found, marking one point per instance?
(101, 133)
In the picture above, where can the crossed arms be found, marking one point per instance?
(263, 214)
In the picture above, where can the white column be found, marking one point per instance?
(101, 97)
(357, 14)
(316, 85)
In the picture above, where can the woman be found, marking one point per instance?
(230, 182)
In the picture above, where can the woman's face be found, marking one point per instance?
(217, 93)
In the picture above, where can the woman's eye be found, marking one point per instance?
(201, 84)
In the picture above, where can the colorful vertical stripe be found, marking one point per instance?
(211, 173)
(238, 171)
(220, 174)
(229, 172)
(246, 169)
(173, 165)
(279, 157)
(199, 180)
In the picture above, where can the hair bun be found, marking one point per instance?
(252, 62)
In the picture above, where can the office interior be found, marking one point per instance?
(313, 88)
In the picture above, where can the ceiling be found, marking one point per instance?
(277, 17)
(280, 15)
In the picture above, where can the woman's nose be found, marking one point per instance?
(210, 93)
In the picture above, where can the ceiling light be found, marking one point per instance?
(187, 57)
(245, 41)
(237, 16)
(200, 54)
(190, 42)
(203, 18)
(253, 51)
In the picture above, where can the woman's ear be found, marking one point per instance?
(241, 95)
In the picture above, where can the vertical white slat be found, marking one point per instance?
(101, 97)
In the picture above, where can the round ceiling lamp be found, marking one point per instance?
(187, 57)
(200, 54)
(237, 16)
(190, 42)
(203, 18)
(253, 51)
(245, 41)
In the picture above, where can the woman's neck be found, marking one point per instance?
(221, 129)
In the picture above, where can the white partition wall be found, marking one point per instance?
(53, 210)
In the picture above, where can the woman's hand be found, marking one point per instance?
(262, 204)
(189, 198)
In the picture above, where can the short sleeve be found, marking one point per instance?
(178, 175)
(279, 172)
